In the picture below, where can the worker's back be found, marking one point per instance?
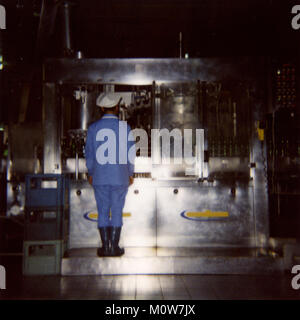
(106, 158)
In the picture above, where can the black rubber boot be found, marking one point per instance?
(104, 235)
(115, 237)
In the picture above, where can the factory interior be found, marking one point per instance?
(226, 225)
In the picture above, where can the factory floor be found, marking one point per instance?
(148, 287)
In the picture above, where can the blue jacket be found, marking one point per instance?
(110, 143)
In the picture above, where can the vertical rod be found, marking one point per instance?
(51, 130)
(67, 42)
(180, 45)
(76, 166)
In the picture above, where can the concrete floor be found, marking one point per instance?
(150, 287)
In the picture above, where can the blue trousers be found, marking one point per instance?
(110, 199)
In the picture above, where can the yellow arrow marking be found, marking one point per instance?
(208, 214)
(94, 215)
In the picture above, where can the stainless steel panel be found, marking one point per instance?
(261, 208)
(139, 230)
(144, 71)
(25, 142)
(173, 230)
(51, 127)
(70, 165)
(83, 108)
(229, 164)
(83, 233)
(177, 108)
(139, 222)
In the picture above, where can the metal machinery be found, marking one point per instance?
(210, 216)
(283, 142)
(283, 159)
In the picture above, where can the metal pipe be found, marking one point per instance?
(67, 41)
(234, 119)
(76, 166)
(51, 129)
(180, 45)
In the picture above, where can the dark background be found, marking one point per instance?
(150, 28)
(137, 29)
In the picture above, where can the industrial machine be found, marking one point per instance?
(217, 200)
(170, 204)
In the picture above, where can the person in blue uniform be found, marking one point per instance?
(109, 174)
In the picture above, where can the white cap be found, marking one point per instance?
(108, 99)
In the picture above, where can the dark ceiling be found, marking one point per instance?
(140, 29)
(150, 28)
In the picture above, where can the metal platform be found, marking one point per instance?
(173, 261)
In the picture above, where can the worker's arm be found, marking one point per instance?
(131, 154)
(90, 154)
